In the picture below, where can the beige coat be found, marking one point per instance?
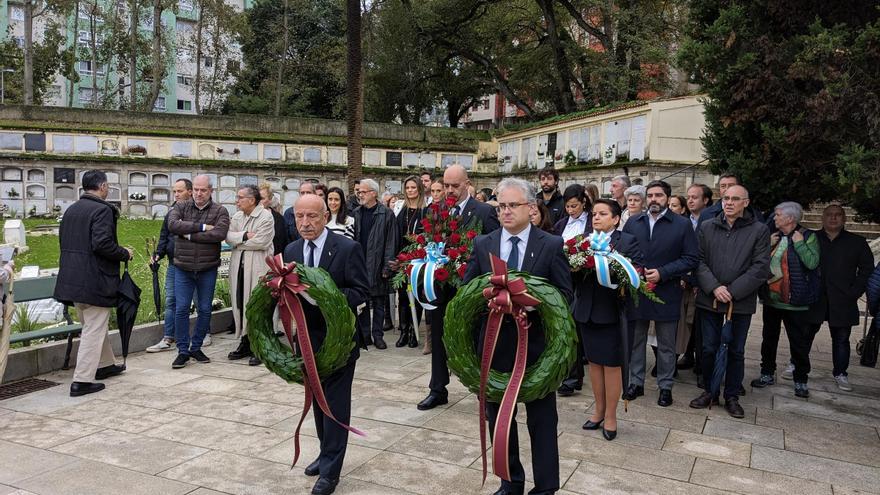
(252, 253)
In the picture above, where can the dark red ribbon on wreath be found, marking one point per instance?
(504, 297)
(285, 285)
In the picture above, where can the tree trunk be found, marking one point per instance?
(29, 52)
(212, 89)
(565, 99)
(70, 92)
(353, 95)
(93, 50)
(198, 75)
(281, 59)
(157, 71)
(132, 54)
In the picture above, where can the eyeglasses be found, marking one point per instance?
(731, 199)
(512, 206)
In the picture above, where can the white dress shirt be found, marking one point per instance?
(652, 220)
(319, 243)
(575, 226)
(461, 204)
(523, 235)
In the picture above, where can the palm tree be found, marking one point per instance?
(354, 92)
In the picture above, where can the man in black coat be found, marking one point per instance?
(482, 218)
(845, 263)
(88, 278)
(343, 259)
(375, 228)
(550, 195)
(534, 251)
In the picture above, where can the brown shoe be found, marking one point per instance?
(427, 348)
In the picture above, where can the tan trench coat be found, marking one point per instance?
(252, 253)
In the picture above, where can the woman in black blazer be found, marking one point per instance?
(599, 313)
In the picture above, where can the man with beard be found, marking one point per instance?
(670, 247)
(471, 212)
(550, 196)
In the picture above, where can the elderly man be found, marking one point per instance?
(550, 195)
(165, 247)
(846, 264)
(473, 214)
(734, 264)
(619, 185)
(344, 260)
(727, 180)
(88, 278)
(670, 248)
(792, 288)
(250, 234)
(200, 225)
(536, 252)
(305, 187)
(375, 228)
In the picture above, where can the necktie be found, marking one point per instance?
(454, 211)
(513, 258)
(312, 248)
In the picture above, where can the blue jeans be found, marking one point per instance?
(736, 350)
(169, 302)
(186, 284)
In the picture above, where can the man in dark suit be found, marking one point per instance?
(343, 259)
(473, 213)
(534, 251)
(670, 248)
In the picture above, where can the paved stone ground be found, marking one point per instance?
(228, 428)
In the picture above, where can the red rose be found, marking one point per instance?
(451, 200)
(453, 225)
(571, 242)
(585, 245)
(441, 274)
(408, 270)
(438, 238)
(461, 270)
(435, 207)
(452, 253)
(426, 224)
(572, 250)
(471, 234)
(454, 238)
(651, 286)
(420, 239)
(401, 256)
(419, 253)
(591, 262)
(444, 214)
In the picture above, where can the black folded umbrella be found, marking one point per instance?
(157, 295)
(128, 300)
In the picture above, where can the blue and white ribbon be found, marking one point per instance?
(434, 259)
(600, 243)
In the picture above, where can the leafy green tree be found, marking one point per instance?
(47, 59)
(792, 101)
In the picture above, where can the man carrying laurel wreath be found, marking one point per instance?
(534, 251)
(343, 259)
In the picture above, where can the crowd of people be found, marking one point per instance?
(710, 262)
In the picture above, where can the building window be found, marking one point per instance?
(184, 54)
(160, 104)
(19, 41)
(233, 66)
(86, 95)
(184, 105)
(209, 62)
(185, 5)
(85, 67)
(184, 80)
(85, 38)
(16, 13)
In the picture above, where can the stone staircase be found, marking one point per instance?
(871, 231)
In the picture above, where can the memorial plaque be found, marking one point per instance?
(393, 159)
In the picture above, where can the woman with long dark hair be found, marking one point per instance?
(408, 219)
(340, 221)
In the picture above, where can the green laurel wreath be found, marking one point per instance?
(278, 357)
(542, 377)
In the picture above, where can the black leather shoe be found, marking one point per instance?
(312, 469)
(431, 401)
(84, 388)
(108, 371)
(633, 392)
(379, 342)
(733, 408)
(665, 399)
(590, 425)
(254, 361)
(325, 486)
(703, 401)
(505, 491)
(579, 385)
(200, 356)
(700, 382)
(243, 350)
(180, 361)
(565, 391)
(609, 434)
(413, 341)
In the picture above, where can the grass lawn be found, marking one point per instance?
(44, 252)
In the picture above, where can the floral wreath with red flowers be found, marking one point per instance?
(441, 249)
(594, 253)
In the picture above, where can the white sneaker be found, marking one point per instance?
(843, 383)
(207, 341)
(788, 374)
(163, 345)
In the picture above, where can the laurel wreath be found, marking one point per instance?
(279, 358)
(542, 377)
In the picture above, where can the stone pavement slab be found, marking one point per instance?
(707, 447)
(838, 473)
(40, 431)
(752, 481)
(591, 478)
(640, 459)
(744, 432)
(20, 462)
(95, 478)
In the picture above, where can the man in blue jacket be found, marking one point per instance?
(670, 248)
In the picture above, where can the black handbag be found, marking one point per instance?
(869, 345)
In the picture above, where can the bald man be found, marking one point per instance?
(343, 259)
(482, 218)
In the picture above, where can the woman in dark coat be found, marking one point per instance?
(408, 219)
(599, 313)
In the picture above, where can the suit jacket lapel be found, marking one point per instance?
(328, 252)
(533, 249)
(494, 245)
(298, 251)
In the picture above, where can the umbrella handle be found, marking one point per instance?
(729, 308)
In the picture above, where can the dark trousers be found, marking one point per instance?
(695, 343)
(404, 314)
(840, 349)
(800, 340)
(576, 375)
(541, 419)
(377, 305)
(736, 350)
(439, 369)
(334, 438)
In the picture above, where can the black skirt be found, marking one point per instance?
(602, 343)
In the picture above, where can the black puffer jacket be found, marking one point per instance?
(201, 250)
(88, 270)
